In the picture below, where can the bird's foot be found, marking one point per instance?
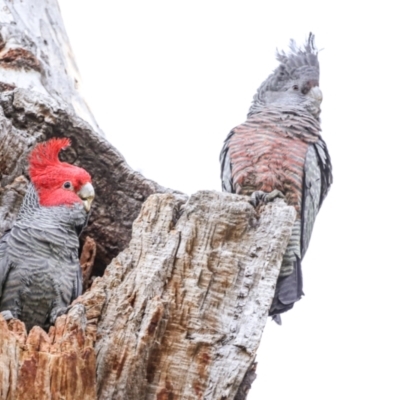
(7, 315)
(260, 197)
(56, 312)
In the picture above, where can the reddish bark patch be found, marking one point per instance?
(62, 366)
(154, 321)
(203, 362)
(20, 58)
(119, 365)
(18, 328)
(88, 375)
(87, 258)
(167, 392)
(27, 373)
(153, 363)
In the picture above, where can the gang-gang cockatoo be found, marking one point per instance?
(279, 151)
(40, 274)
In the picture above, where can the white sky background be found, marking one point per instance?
(168, 80)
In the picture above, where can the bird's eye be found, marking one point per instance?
(67, 185)
(295, 87)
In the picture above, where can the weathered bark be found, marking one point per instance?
(187, 301)
(179, 311)
(58, 365)
(35, 54)
(178, 314)
(87, 258)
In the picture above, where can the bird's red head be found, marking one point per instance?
(58, 183)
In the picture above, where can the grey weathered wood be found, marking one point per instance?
(184, 306)
(35, 54)
(181, 308)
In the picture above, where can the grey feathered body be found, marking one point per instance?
(280, 148)
(40, 274)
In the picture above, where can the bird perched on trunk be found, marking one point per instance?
(40, 274)
(279, 151)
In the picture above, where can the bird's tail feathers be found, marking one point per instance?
(289, 289)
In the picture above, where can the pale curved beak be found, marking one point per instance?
(86, 193)
(316, 93)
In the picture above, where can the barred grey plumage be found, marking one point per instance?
(279, 147)
(40, 272)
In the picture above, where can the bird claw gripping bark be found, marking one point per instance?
(260, 197)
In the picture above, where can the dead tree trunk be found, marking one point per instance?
(180, 309)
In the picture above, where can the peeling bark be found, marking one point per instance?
(41, 366)
(180, 309)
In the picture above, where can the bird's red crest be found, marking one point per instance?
(49, 175)
(46, 154)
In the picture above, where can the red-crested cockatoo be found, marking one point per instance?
(40, 274)
(279, 151)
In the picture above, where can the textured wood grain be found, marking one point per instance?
(187, 301)
(86, 260)
(35, 54)
(41, 366)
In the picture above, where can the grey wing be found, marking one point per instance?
(325, 165)
(4, 262)
(30, 204)
(226, 167)
(317, 180)
(78, 285)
